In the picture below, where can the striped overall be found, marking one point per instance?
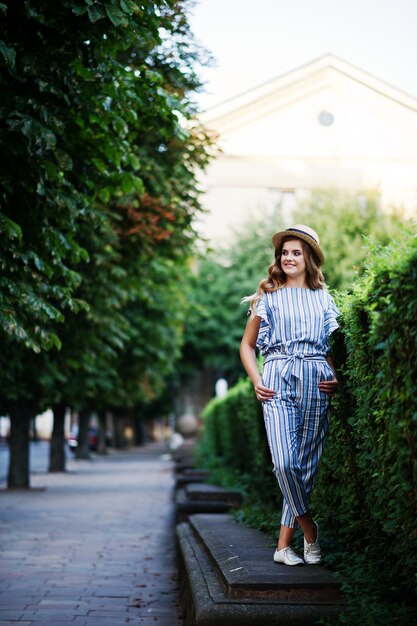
(293, 337)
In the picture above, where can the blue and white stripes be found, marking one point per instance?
(294, 332)
(297, 423)
(296, 320)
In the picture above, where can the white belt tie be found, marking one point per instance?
(293, 363)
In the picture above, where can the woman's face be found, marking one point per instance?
(293, 263)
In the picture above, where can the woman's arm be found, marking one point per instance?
(330, 361)
(248, 358)
(329, 386)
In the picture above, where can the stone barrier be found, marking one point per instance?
(204, 498)
(228, 578)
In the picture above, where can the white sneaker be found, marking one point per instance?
(312, 551)
(287, 556)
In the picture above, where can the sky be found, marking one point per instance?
(254, 41)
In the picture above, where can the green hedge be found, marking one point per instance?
(366, 494)
(232, 445)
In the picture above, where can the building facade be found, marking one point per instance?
(326, 125)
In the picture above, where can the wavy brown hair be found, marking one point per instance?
(276, 278)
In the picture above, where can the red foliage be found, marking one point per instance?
(148, 221)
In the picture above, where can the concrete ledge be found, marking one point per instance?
(202, 498)
(203, 492)
(183, 465)
(184, 457)
(190, 475)
(228, 578)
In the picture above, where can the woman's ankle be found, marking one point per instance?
(311, 535)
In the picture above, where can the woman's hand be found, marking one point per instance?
(263, 393)
(329, 387)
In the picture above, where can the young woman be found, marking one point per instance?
(291, 317)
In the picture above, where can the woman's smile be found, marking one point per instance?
(292, 258)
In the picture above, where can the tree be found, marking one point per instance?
(216, 317)
(347, 224)
(99, 136)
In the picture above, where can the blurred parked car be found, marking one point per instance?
(92, 438)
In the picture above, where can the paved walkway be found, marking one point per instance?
(93, 546)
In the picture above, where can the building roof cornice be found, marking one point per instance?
(286, 87)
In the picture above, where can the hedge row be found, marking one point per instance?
(232, 444)
(366, 494)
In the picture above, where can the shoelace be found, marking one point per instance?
(311, 547)
(289, 550)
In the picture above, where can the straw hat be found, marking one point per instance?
(301, 231)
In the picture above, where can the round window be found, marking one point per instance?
(326, 118)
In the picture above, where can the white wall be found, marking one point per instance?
(275, 144)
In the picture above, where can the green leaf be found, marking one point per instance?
(64, 160)
(130, 183)
(154, 76)
(129, 6)
(116, 16)
(12, 229)
(9, 54)
(104, 195)
(79, 10)
(134, 162)
(100, 164)
(77, 305)
(95, 13)
(54, 341)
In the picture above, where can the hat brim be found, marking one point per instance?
(278, 237)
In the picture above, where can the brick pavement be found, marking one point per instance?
(93, 546)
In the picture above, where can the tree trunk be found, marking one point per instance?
(102, 446)
(118, 430)
(140, 432)
(57, 449)
(33, 427)
(18, 475)
(83, 450)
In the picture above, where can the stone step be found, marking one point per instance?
(202, 498)
(183, 464)
(190, 475)
(184, 458)
(228, 578)
(204, 492)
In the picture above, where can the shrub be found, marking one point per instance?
(232, 445)
(367, 486)
(366, 492)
